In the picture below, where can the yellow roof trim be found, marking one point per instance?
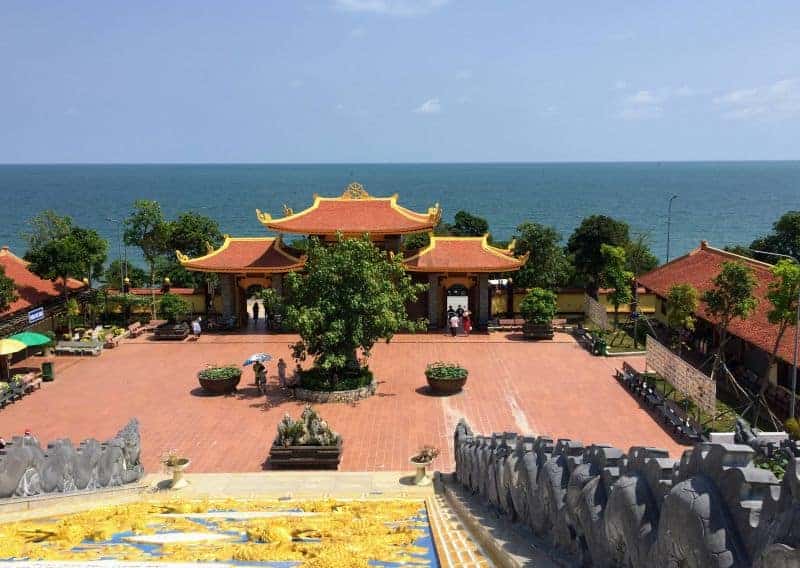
(484, 240)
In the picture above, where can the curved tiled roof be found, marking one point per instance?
(699, 268)
(354, 213)
(244, 254)
(463, 254)
(31, 290)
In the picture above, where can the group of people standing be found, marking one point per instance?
(459, 318)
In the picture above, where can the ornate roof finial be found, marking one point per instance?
(263, 217)
(209, 248)
(355, 191)
(287, 210)
(182, 258)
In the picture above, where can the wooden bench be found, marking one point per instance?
(135, 329)
(152, 325)
(112, 341)
(79, 347)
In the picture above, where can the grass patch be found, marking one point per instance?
(620, 339)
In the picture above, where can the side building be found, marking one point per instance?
(457, 269)
(752, 339)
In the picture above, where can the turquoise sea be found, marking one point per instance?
(722, 202)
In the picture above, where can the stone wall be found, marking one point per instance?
(600, 506)
(27, 470)
(595, 312)
(684, 377)
(336, 396)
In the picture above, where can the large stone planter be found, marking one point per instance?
(219, 386)
(335, 396)
(306, 457)
(537, 331)
(445, 386)
(173, 331)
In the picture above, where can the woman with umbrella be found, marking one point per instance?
(259, 369)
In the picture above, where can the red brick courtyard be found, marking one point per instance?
(554, 388)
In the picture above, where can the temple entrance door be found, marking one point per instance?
(456, 296)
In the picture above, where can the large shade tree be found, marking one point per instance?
(147, 229)
(350, 296)
(784, 238)
(585, 245)
(8, 291)
(547, 266)
(192, 234)
(730, 299)
(59, 250)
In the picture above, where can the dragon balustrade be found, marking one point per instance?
(599, 506)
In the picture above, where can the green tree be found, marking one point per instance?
(782, 296)
(584, 245)
(616, 277)
(8, 291)
(784, 238)
(273, 302)
(682, 301)
(192, 234)
(147, 229)
(60, 258)
(731, 298)
(350, 296)
(547, 266)
(45, 227)
(115, 273)
(94, 251)
(416, 241)
(639, 258)
(466, 224)
(539, 306)
(173, 307)
(741, 250)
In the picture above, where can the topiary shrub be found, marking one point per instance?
(173, 307)
(539, 306)
(445, 371)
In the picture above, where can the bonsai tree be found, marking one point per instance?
(538, 308)
(308, 430)
(681, 307)
(173, 307)
(350, 296)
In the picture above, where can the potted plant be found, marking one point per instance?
(220, 379)
(305, 443)
(422, 460)
(173, 308)
(445, 378)
(538, 308)
(175, 464)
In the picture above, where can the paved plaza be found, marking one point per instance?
(553, 388)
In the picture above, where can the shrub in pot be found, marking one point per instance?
(307, 442)
(538, 308)
(445, 378)
(220, 379)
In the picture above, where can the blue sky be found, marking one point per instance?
(398, 81)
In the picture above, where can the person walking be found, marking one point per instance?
(255, 312)
(454, 325)
(196, 329)
(282, 372)
(467, 323)
(260, 372)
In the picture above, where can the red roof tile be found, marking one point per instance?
(354, 213)
(699, 268)
(245, 254)
(31, 290)
(462, 254)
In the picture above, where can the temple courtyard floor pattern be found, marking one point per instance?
(535, 388)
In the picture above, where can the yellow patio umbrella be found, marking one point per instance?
(10, 346)
(7, 348)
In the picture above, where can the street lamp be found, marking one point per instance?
(792, 400)
(669, 220)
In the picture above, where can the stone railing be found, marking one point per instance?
(27, 470)
(601, 506)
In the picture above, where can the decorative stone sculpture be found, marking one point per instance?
(604, 507)
(26, 469)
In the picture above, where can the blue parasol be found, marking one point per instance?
(260, 357)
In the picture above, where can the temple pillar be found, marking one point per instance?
(434, 302)
(227, 287)
(483, 300)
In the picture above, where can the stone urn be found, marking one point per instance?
(176, 468)
(421, 474)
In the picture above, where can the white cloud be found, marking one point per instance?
(358, 32)
(464, 74)
(685, 91)
(295, 84)
(643, 112)
(551, 110)
(780, 100)
(619, 85)
(463, 99)
(644, 98)
(391, 7)
(431, 106)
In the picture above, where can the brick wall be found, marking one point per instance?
(681, 375)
